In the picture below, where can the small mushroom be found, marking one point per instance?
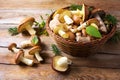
(20, 58)
(84, 34)
(83, 25)
(77, 19)
(60, 63)
(79, 38)
(71, 36)
(36, 51)
(93, 20)
(33, 41)
(13, 48)
(26, 25)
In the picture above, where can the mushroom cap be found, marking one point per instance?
(93, 20)
(35, 49)
(56, 67)
(98, 11)
(26, 21)
(11, 46)
(85, 12)
(18, 56)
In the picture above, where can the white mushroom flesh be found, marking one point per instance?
(25, 44)
(102, 25)
(63, 34)
(53, 23)
(38, 57)
(27, 61)
(68, 20)
(63, 62)
(15, 50)
(82, 26)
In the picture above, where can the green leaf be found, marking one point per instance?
(92, 31)
(55, 49)
(111, 19)
(13, 31)
(35, 40)
(75, 7)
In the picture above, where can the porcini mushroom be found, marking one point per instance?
(33, 41)
(26, 24)
(60, 63)
(36, 51)
(20, 58)
(13, 48)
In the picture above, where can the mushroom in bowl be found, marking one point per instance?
(79, 32)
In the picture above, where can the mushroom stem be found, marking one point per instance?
(26, 61)
(25, 44)
(30, 30)
(102, 25)
(15, 50)
(38, 57)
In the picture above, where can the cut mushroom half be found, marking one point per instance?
(33, 41)
(13, 47)
(36, 51)
(26, 25)
(60, 63)
(20, 58)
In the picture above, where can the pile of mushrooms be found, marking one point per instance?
(72, 24)
(34, 47)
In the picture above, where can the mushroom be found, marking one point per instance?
(53, 23)
(84, 34)
(33, 41)
(99, 14)
(77, 19)
(13, 48)
(79, 38)
(36, 51)
(26, 24)
(71, 36)
(60, 63)
(83, 25)
(20, 58)
(68, 20)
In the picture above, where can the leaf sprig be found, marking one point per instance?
(55, 49)
(75, 7)
(13, 31)
(35, 40)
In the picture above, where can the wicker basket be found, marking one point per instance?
(78, 49)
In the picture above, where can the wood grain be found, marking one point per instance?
(105, 65)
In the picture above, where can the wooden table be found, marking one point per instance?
(103, 66)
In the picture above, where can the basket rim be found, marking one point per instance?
(107, 36)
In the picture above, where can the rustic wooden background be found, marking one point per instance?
(103, 66)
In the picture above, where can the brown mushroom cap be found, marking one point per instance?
(28, 20)
(34, 49)
(56, 67)
(18, 56)
(93, 20)
(11, 46)
(98, 11)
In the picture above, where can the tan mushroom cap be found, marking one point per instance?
(56, 67)
(93, 20)
(27, 20)
(11, 46)
(18, 56)
(35, 49)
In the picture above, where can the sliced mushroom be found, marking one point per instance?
(13, 48)
(102, 25)
(20, 58)
(26, 25)
(36, 51)
(60, 63)
(30, 42)
(53, 23)
(68, 20)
